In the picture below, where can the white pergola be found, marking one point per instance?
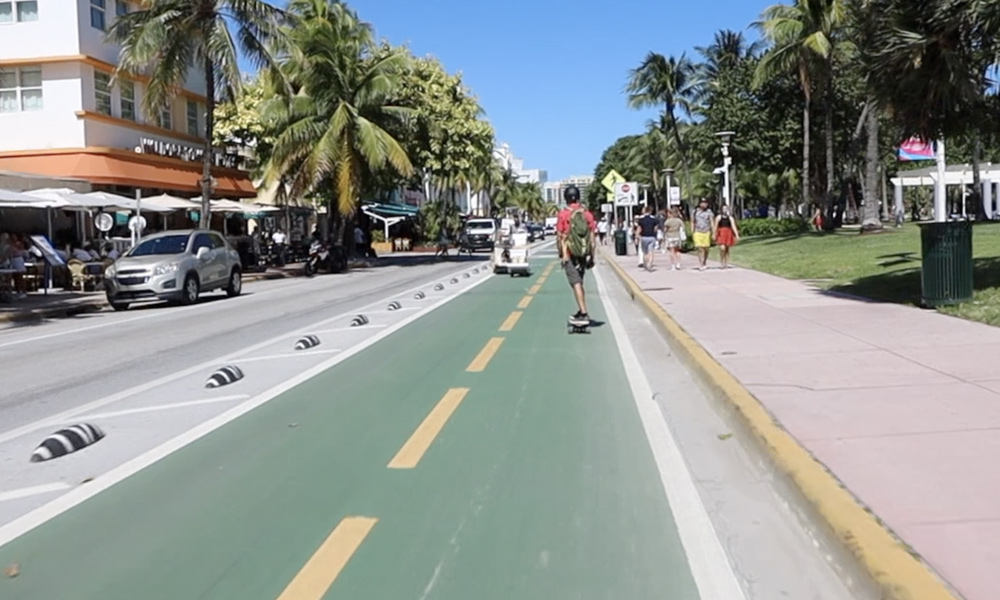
(960, 175)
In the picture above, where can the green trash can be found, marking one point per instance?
(621, 242)
(946, 268)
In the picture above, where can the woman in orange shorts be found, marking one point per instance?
(726, 235)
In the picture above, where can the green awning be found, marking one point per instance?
(392, 210)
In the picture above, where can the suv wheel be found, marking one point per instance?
(191, 290)
(235, 283)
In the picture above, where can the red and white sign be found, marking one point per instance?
(626, 194)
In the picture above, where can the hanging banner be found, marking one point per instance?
(916, 149)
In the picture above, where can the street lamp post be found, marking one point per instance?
(668, 177)
(726, 137)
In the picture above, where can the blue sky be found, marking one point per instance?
(550, 73)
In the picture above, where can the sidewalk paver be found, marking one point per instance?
(901, 404)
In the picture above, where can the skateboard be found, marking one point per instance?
(574, 326)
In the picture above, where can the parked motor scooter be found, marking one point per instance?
(322, 256)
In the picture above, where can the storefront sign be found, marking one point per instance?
(182, 152)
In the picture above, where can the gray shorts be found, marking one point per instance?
(648, 244)
(575, 268)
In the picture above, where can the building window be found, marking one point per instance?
(24, 11)
(121, 8)
(27, 11)
(127, 93)
(192, 117)
(20, 89)
(97, 14)
(166, 120)
(102, 92)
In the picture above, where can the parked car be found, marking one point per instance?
(176, 266)
(479, 234)
(536, 232)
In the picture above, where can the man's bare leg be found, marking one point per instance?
(581, 301)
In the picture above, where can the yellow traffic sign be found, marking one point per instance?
(611, 179)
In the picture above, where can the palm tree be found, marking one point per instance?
(166, 38)
(671, 83)
(332, 107)
(726, 52)
(932, 61)
(803, 37)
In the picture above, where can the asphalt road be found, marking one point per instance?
(463, 445)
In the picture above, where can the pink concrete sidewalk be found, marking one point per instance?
(902, 404)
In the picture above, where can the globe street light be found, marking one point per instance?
(726, 138)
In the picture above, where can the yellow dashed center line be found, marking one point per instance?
(534, 289)
(525, 302)
(316, 577)
(415, 447)
(478, 364)
(510, 321)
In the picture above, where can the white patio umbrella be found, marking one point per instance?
(110, 201)
(171, 202)
(10, 199)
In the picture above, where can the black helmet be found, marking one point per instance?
(571, 194)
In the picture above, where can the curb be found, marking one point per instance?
(891, 564)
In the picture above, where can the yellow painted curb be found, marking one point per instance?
(899, 574)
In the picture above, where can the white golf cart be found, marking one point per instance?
(510, 255)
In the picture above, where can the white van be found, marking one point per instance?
(479, 234)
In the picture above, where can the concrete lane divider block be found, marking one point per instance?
(419, 296)
(67, 441)
(438, 287)
(394, 305)
(224, 376)
(359, 320)
(307, 342)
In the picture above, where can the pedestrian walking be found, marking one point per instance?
(575, 228)
(727, 234)
(702, 228)
(675, 235)
(602, 230)
(648, 227)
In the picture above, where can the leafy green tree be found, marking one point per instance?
(166, 38)
(803, 37)
(670, 83)
(238, 122)
(332, 107)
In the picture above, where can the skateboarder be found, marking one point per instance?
(575, 228)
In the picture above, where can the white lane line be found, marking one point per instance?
(706, 558)
(56, 507)
(358, 328)
(208, 364)
(33, 491)
(291, 355)
(229, 302)
(159, 407)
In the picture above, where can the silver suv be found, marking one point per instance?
(175, 266)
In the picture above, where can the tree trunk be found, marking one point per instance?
(680, 149)
(828, 126)
(870, 220)
(207, 159)
(806, 178)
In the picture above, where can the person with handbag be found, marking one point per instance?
(675, 235)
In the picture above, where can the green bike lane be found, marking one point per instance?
(540, 485)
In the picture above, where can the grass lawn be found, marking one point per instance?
(883, 266)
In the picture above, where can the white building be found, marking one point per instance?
(553, 190)
(61, 116)
(508, 161)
